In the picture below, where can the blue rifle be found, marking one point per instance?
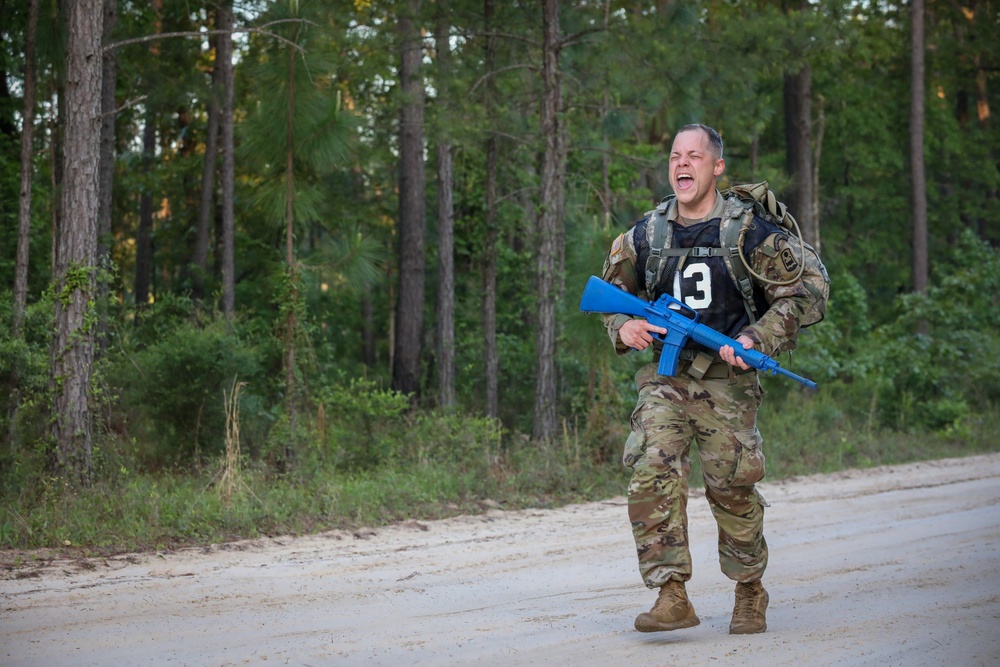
(681, 323)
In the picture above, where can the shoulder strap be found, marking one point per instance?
(660, 230)
(737, 216)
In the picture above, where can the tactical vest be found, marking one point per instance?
(742, 204)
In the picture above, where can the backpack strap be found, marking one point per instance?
(737, 216)
(662, 230)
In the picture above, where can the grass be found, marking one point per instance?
(454, 469)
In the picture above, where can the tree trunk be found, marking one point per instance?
(548, 253)
(291, 325)
(76, 256)
(144, 235)
(228, 176)
(410, 307)
(57, 131)
(797, 98)
(27, 171)
(206, 205)
(918, 192)
(490, 248)
(23, 214)
(446, 280)
(446, 231)
(798, 146)
(106, 176)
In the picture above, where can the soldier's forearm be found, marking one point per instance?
(777, 330)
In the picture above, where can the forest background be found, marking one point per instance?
(277, 267)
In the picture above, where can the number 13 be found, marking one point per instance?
(702, 296)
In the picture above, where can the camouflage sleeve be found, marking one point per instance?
(619, 270)
(790, 306)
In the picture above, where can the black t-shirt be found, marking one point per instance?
(704, 283)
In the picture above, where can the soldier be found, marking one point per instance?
(713, 398)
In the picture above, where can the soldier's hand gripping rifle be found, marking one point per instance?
(681, 323)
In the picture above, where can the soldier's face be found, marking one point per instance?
(693, 171)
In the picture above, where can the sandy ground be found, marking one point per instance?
(890, 566)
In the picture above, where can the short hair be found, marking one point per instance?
(714, 140)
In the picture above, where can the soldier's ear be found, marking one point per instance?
(720, 166)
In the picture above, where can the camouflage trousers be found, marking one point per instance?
(720, 417)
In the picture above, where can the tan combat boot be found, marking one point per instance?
(671, 611)
(748, 614)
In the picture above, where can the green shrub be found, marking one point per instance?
(24, 384)
(172, 391)
(360, 424)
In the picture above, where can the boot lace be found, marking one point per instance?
(669, 597)
(746, 598)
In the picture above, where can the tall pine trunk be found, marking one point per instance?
(918, 180)
(57, 130)
(548, 252)
(106, 177)
(76, 255)
(446, 229)
(206, 203)
(23, 212)
(27, 171)
(490, 246)
(228, 175)
(291, 270)
(799, 152)
(797, 98)
(410, 306)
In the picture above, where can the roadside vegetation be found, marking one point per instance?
(189, 454)
(318, 266)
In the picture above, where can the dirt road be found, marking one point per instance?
(890, 566)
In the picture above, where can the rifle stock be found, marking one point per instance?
(681, 323)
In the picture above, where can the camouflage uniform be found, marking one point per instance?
(717, 410)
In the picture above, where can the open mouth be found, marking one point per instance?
(684, 181)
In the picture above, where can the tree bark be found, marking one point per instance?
(918, 182)
(23, 214)
(57, 130)
(798, 147)
(206, 205)
(548, 252)
(27, 171)
(410, 307)
(490, 354)
(291, 324)
(75, 280)
(446, 229)
(446, 279)
(106, 176)
(228, 176)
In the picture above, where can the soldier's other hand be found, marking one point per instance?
(728, 354)
(638, 334)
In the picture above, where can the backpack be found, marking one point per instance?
(743, 202)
